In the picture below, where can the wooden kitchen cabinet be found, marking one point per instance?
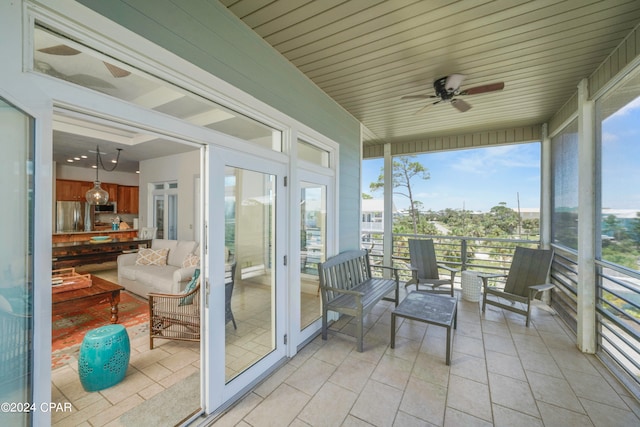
(112, 189)
(75, 191)
(128, 196)
(70, 190)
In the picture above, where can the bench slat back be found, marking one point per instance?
(343, 271)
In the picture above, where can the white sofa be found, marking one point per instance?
(170, 278)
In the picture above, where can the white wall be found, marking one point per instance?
(183, 168)
(87, 174)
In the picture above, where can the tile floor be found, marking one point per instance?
(502, 374)
(150, 372)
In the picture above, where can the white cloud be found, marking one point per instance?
(608, 137)
(489, 160)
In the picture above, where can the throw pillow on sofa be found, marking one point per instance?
(148, 256)
(191, 260)
(190, 287)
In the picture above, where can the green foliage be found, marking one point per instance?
(612, 227)
(634, 232)
(501, 221)
(624, 253)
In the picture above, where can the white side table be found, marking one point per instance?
(471, 284)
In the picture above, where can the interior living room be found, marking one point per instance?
(255, 118)
(103, 243)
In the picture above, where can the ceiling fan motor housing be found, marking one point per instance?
(440, 86)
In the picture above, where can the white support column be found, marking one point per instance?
(545, 188)
(586, 338)
(388, 205)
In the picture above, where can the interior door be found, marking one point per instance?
(246, 301)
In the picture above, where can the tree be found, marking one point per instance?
(635, 230)
(612, 227)
(366, 196)
(404, 172)
(502, 220)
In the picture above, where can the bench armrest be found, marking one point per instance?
(394, 269)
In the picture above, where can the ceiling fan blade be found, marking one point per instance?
(482, 89)
(116, 72)
(460, 105)
(89, 81)
(418, 96)
(454, 81)
(425, 108)
(61, 49)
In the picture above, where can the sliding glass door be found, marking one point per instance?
(16, 263)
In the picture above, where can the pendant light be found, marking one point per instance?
(97, 195)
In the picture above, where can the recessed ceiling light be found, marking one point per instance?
(76, 159)
(69, 160)
(84, 157)
(137, 171)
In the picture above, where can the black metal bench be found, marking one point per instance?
(347, 287)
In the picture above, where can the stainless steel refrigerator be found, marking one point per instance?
(73, 216)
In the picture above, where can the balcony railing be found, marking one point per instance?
(617, 289)
(480, 254)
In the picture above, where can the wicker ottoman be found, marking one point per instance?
(104, 357)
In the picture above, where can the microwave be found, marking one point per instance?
(110, 207)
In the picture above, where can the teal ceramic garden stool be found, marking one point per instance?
(104, 357)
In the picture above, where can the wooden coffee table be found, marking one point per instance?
(99, 292)
(428, 307)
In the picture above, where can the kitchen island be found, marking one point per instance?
(77, 253)
(83, 236)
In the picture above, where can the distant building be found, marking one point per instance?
(529, 213)
(373, 215)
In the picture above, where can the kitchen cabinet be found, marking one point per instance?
(128, 196)
(75, 191)
(70, 190)
(112, 189)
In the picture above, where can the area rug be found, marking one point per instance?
(68, 329)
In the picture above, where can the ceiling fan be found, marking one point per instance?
(64, 50)
(448, 88)
(79, 79)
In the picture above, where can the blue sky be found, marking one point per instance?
(621, 158)
(481, 178)
(477, 179)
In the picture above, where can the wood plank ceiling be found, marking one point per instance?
(367, 54)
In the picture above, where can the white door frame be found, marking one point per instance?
(219, 392)
(299, 336)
